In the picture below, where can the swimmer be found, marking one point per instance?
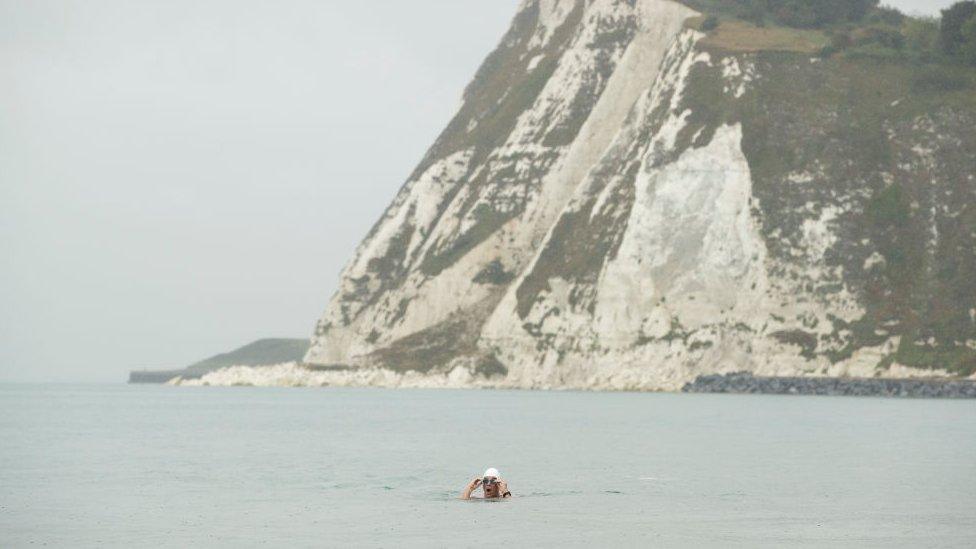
(492, 486)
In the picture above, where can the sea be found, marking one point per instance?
(156, 466)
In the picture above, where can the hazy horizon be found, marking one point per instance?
(180, 179)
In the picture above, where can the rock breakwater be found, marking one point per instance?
(746, 383)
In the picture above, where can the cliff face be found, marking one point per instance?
(623, 202)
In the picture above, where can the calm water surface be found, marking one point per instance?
(161, 466)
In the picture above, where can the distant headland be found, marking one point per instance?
(257, 353)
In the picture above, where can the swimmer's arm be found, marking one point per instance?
(471, 487)
(503, 489)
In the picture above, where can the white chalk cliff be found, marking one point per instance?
(607, 211)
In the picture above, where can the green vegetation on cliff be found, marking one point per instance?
(958, 36)
(257, 353)
(883, 143)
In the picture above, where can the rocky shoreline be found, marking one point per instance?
(746, 383)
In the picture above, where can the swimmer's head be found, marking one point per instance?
(489, 483)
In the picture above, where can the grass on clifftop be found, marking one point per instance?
(740, 36)
(854, 29)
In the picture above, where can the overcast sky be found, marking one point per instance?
(178, 178)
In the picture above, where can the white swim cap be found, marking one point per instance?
(491, 472)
